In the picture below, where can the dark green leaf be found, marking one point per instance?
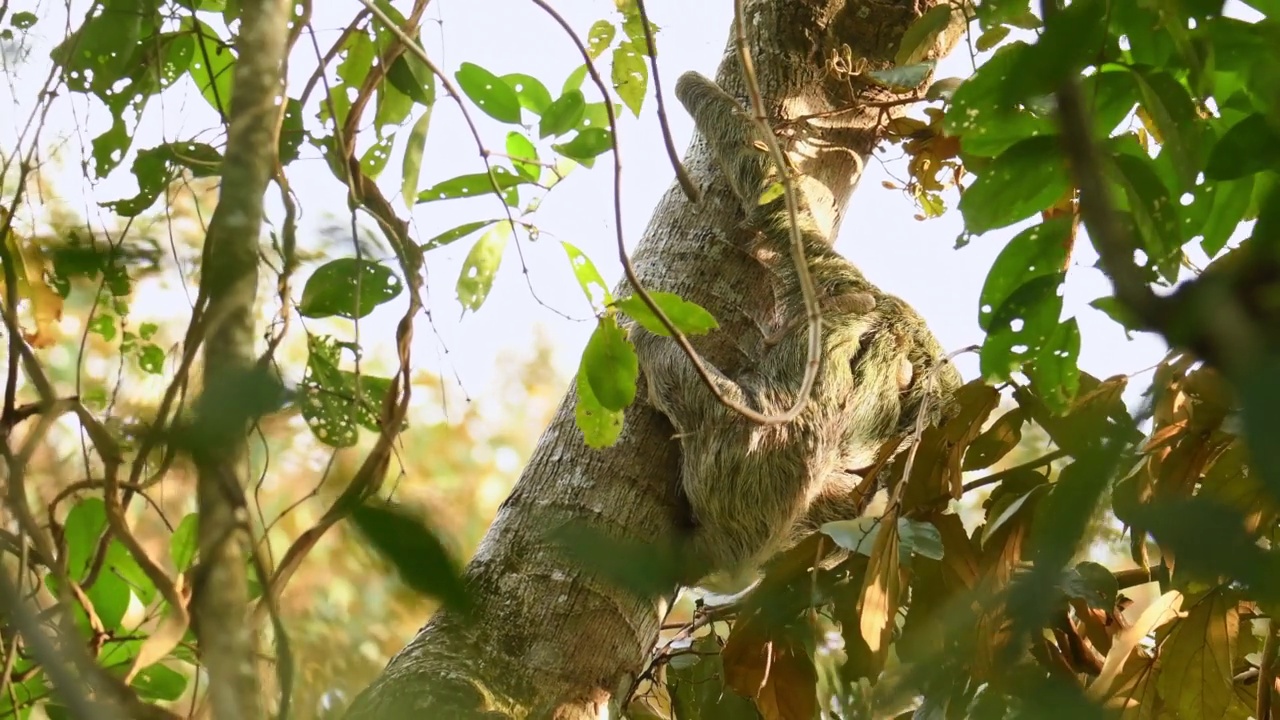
(481, 265)
(213, 65)
(1154, 213)
(415, 551)
(562, 115)
(1071, 40)
(413, 78)
(1026, 178)
(1022, 326)
(985, 122)
(611, 365)
(689, 318)
(331, 400)
(1250, 146)
(1038, 251)
(1093, 583)
(348, 288)
(1170, 106)
(489, 92)
(151, 359)
(1055, 371)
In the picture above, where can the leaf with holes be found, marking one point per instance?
(212, 66)
(489, 93)
(611, 365)
(348, 288)
(472, 185)
(1177, 126)
(413, 78)
(589, 279)
(600, 37)
(481, 265)
(1039, 251)
(328, 397)
(600, 426)
(562, 115)
(1022, 326)
(630, 75)
(689, 318)
(530, 91)
(1056, 370)
(1154, 213)
(453, 234)
(586, 146)
(374, 160)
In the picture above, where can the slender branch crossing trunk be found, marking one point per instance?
(229, 282)
(552, 641)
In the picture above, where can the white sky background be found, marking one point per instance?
(915, 260)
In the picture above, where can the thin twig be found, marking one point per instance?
(682, 175)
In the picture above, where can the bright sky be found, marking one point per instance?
(915, 260)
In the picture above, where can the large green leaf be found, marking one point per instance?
(1026, 178)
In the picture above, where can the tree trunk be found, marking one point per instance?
(225, 321)
(549, 640)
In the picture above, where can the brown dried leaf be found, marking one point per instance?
(996, 442)
(1196, 674)
(880, 587)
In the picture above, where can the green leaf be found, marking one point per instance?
(374, 160)
(85, 523)
(155, 168)
(212, 65)
(183, 544)
(985, 122)
(349, 288)
(611, 365)
(23, 20)
(1230, 203)
(1038, 251)
(586, 146)
(1022, 326)
(562, 115)
(902, 78)
(920, 37)
(600, 426)
(331, 400)
(533, 95)
(1071, 40)
(600, 37)
(574, 80)
(489, 93)
(481, 265)
(416, 552)
(524, 156)
(630, 75)
(1056, 372)
(473, 185)
(689, 318)
(991, 38)
(100, 52)
(151, 359)
(589, 279)
(411, 165)
(1250, 146)
(413, 78)
(448, 236)
(159, 683)
(1154, 213)
(1025, 179)
(1170, 107)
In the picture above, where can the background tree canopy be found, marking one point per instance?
(244, 241)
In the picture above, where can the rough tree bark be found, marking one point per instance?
(552, 641)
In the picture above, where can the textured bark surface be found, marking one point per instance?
(550, 641)
(229, 284)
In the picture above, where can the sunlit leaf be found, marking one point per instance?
(481, 265)
(689, 318)
(348, 288)
(494, 96)
(589, 279)
(611, 366)
(919, 39)
(562, 115)
(630, 75)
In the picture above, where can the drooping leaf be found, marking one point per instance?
(611, 365)
(481, 265)
(1250, 146)
(600, 426)
(630, 75)
(524, 156)
(588, 277)
(473, 185)
(562, 115)
(463, 230)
